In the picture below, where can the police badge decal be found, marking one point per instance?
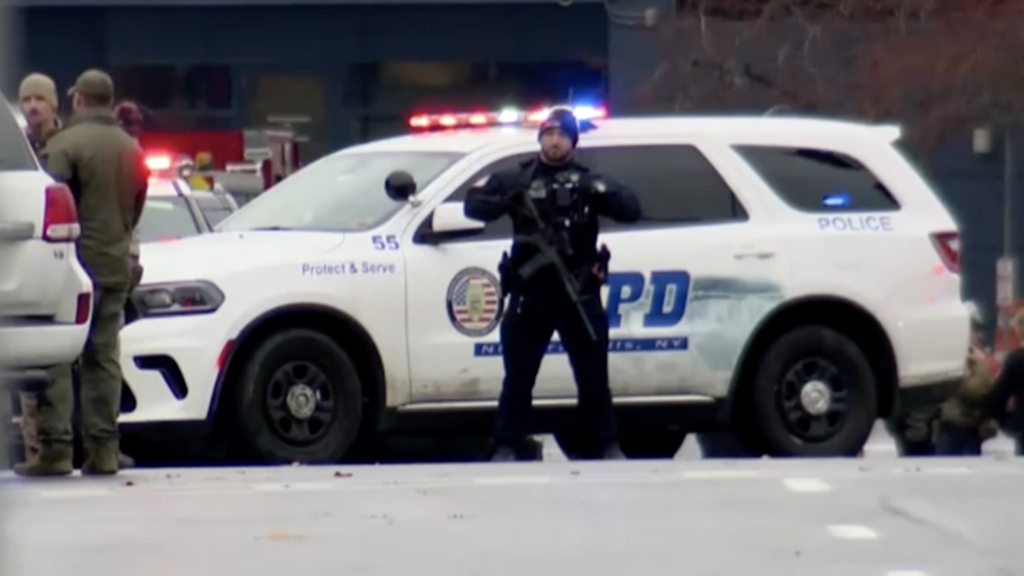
(475, 302)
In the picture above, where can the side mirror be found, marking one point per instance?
(450, 221)
(400, 186)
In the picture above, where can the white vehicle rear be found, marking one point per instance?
(793, 278)
(45, 295)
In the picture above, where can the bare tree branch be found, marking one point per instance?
(932, 64)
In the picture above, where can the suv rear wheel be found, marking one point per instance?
(813, 394)
(299, 399)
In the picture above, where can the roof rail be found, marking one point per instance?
(774, 110)
(891, 132)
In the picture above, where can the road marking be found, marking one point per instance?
(720, 474)
(281, 487)
(852, 532)
(949, 470)
(70, 493)
(905, 573)
(511, 480)
(806, 485)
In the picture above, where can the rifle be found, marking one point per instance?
(549, 255)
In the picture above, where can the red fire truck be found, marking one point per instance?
(242, 162)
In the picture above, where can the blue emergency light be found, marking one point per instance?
(585, 114)
(838, 200)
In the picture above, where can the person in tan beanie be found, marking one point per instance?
(37, 97)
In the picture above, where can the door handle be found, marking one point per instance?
(753, 255)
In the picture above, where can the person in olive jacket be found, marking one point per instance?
(105, 169)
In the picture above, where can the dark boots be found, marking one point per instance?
(504, 453)
(102, 458)
(50, 460)
(613, 452)
(124, 461)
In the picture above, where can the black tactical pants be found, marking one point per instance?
(526, 332)
(1009, 385)
(958, 440)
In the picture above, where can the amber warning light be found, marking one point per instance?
(505, 117)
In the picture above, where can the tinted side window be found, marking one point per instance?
(676, 184)
(502, 227)
(15, 153)
(819, 180)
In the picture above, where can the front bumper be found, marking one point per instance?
(170, 367)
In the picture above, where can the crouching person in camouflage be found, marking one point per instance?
(964, 424)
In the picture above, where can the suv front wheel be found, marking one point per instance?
(299, 399)
(814, 394)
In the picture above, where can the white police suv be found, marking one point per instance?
(792, 278)
(45, 294)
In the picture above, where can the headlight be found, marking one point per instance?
(177, 298)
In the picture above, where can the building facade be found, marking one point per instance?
(353, 70)
(348, 71)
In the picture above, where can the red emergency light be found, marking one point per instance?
(506, 117)
(158, 163)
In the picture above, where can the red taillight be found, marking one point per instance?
(60, 218)
(448, 121)
(83, 306)
(478, 119)
(947, 244)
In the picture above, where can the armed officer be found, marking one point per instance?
(553, 279)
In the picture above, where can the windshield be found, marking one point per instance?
(166, 217)
(343, 192)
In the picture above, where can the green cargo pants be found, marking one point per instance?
(100, 392)
(29, 424)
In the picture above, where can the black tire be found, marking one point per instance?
(288, 361)
(651, 444)
(814, 355)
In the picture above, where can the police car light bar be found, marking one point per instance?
(505, 117)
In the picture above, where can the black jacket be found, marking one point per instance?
(504, 193)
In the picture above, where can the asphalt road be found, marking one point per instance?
(471, 449)
(868, 517)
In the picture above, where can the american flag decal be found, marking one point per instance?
(474, 302)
